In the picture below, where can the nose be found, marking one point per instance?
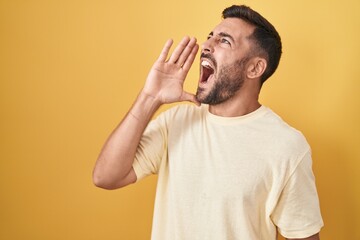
(208, 46)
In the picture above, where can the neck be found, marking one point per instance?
(244, 102)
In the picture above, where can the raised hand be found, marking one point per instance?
(164, 84)
(166, 78)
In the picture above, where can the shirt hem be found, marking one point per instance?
(302, 234)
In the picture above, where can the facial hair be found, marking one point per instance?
(230, 80)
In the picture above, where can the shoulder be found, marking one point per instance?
(178, 116)
(183, 112)
(284, 135)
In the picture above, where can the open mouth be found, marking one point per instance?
(207, 70)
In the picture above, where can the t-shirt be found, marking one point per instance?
(228, 177)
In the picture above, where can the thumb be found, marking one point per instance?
(189, 97)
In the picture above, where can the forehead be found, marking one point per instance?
(235, 27)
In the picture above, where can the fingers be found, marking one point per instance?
(190, 59)
(183, 55)
(165, 50)
(182, 51)
(179, 49)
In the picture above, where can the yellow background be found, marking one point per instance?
(69, 70)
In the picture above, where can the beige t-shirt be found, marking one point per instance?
(228, 178)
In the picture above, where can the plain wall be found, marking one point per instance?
(69, 71)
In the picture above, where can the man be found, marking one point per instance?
(230, 168)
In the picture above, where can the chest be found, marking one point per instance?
(219, 163)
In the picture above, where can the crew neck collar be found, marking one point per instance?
(235, 120)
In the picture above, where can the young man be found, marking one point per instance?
(230, 168)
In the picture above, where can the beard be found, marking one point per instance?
(229, 81)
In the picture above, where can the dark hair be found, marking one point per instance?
(267, 40)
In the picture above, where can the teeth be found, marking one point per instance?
(205, 63)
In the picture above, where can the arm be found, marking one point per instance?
(164, 84)
(314, 237)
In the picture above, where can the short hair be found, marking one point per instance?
(267, 40)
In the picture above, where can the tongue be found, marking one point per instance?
(206, 73)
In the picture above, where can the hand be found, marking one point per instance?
(166, 78)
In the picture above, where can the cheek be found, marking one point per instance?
(226, 58)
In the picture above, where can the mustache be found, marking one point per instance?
(210, 57)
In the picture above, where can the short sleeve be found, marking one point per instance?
(151, 149)
(297, 214)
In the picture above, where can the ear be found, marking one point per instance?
(256, 67)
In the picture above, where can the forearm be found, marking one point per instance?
(118, 153)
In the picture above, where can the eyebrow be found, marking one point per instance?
(223, 34)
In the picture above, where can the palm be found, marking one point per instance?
(166, 78)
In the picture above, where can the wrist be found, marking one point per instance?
(149, 99)
(145, 106)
